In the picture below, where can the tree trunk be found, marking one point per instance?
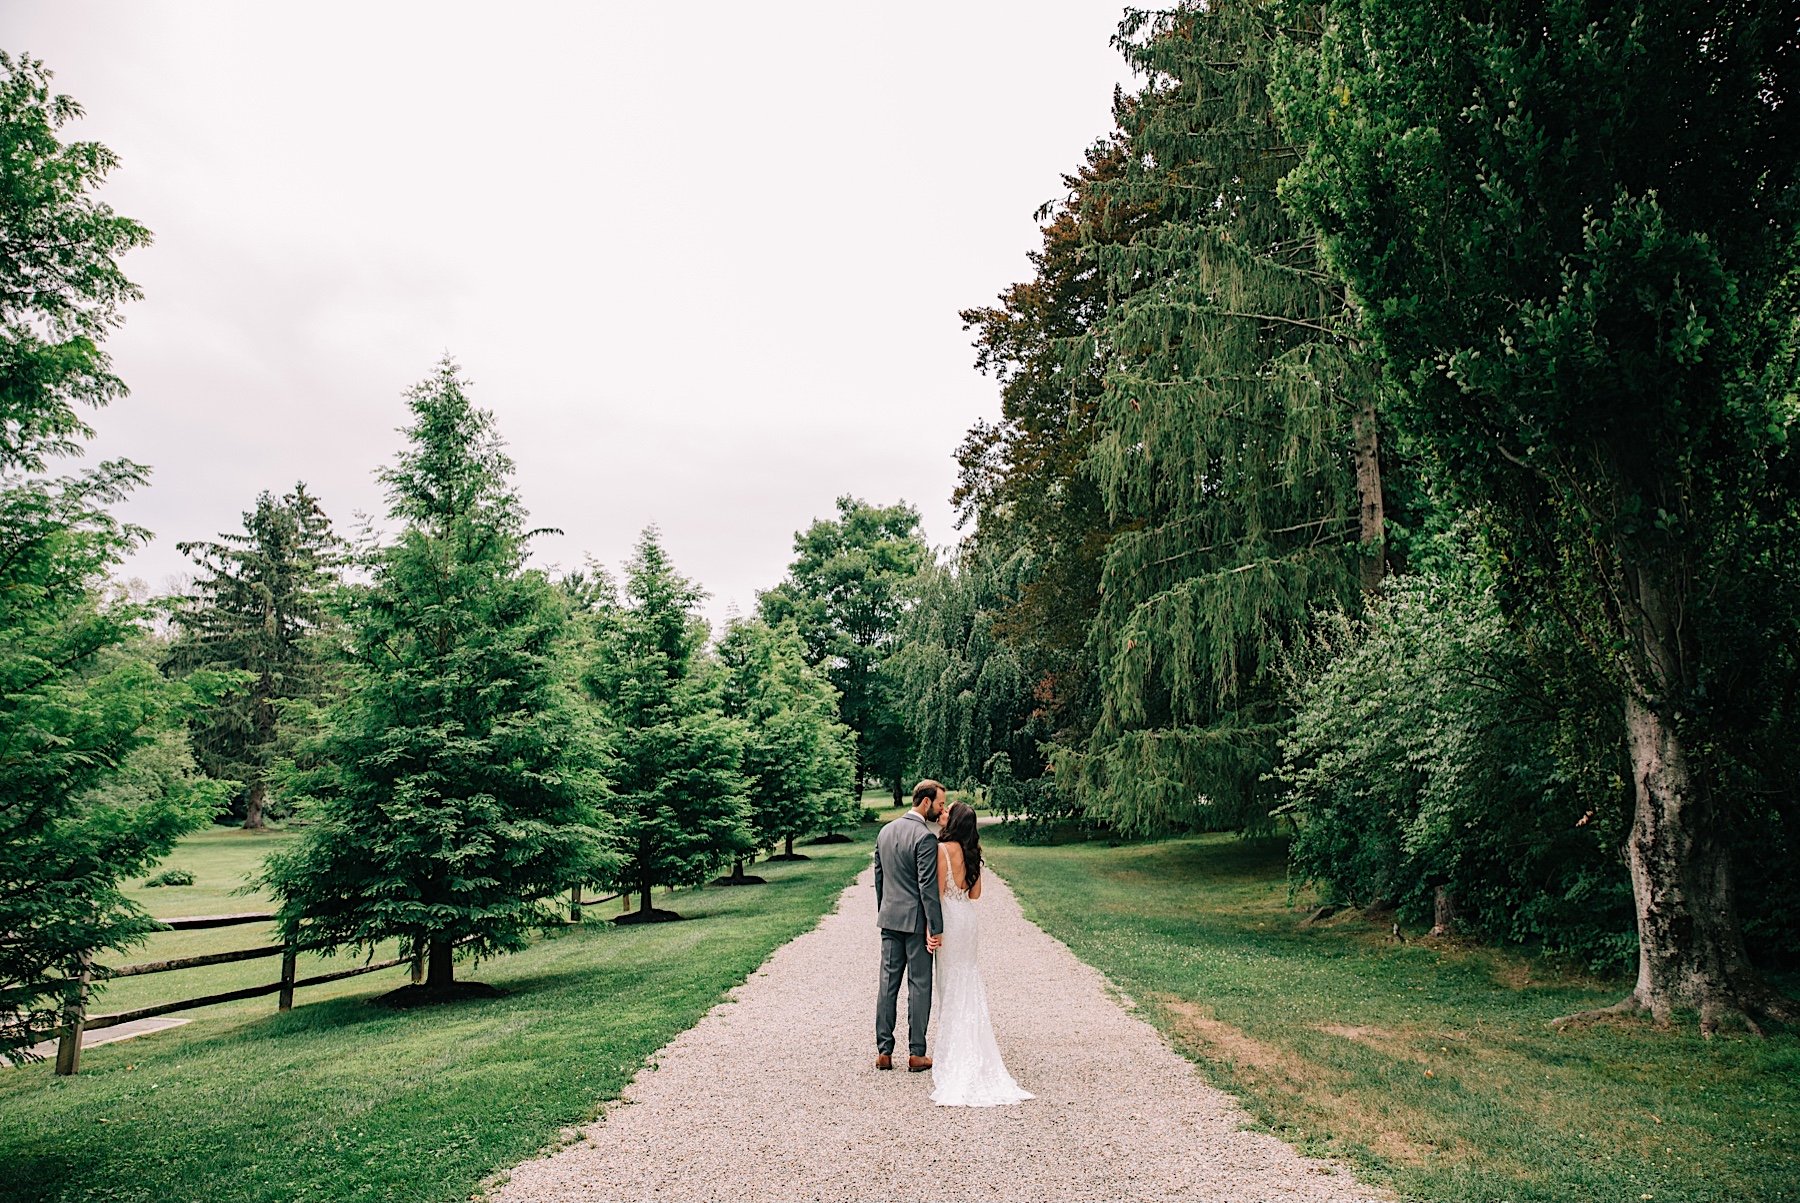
(1366, 432)
(899, 793)
(790, 845)
(1690, 944)
(440, 965)
(1443, 919)
(644, 885)
(253, 806)
(856, 786)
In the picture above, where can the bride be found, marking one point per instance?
(967, 1070)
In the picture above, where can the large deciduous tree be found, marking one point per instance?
(851, 580)
(98, 785)
(677, 759)
(453, 786)
(258, 608)
(1571, 227)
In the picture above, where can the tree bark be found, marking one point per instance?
(253, 806)
(1691, 951)
(440, 965)
(1443, 919)
(645, 885)
(899, 793)
(1365, 430)
(790, 845)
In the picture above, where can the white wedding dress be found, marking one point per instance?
(966, 1069)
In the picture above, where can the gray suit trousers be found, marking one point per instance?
(903, 951)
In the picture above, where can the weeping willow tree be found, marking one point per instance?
(969, 690)
(1237, 449)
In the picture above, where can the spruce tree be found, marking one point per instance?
(452, 788)
(796, 753)
(1229, 421)
(678, 798)
(258, 608)
(98, 783)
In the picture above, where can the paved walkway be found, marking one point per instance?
(46, 1050)
(774, 1095)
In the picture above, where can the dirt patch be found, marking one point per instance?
(1356, 1031)
(1196, 1024)
(1315, 1088)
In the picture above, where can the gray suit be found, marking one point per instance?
(907, 907)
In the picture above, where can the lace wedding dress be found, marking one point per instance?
(966, 1067)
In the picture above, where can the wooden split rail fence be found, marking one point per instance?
(76, 1020)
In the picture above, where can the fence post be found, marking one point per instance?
(289, 961)
(68, 1049)
(574, 904)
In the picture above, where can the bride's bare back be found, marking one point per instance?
(951, 869)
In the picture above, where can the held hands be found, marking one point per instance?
(933, 942)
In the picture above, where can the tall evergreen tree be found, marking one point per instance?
(850, 581)
(1572, 225)
(97, 782)
(796, 752)
(1229, 422)
(679, 793)
(258, 608)
(1021, 479)
(453, 785)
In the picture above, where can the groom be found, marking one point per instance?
(912, 922)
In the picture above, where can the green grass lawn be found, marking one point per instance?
(1430, 1066)
(341, 1100)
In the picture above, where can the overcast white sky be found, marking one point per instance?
(704, 261)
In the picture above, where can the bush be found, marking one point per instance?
(1434, 745)
(172, 877)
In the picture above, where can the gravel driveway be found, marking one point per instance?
(774, 1096)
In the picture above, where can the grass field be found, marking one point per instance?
(342, 1101)
(1429, 1066)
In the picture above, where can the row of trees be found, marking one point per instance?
(464, 735)
(1395, 447)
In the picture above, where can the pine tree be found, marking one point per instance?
(1225, 450)
(849, 583)
(98, 784)
(796, 753)
(453, 785)
(678, 798)
(258, 608)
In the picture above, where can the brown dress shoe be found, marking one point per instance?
(883, 1061)
(918, 1065)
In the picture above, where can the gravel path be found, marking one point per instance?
(774, 1095)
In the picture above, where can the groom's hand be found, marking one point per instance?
(933, 942)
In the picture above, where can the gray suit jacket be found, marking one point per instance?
(906, 876)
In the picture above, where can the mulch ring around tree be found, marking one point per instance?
(746, 879)
(407, 997)
(650, 916)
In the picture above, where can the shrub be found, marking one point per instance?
(1434, 745)
(172, 877)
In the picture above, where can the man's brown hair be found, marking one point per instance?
(926, 789)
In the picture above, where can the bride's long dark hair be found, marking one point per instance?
(959, 828)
